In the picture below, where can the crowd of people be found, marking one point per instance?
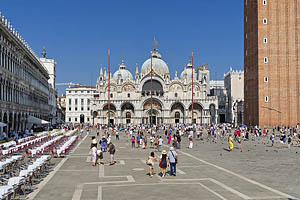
(145, 137)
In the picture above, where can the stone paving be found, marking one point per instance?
(207, 171)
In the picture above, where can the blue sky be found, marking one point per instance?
(77, 33)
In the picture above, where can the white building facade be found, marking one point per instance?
(130, 98)
(234, 85)
(50, 66)
(217, 88)
(24, 86)
(78, 104)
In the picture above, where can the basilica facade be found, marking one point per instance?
(130, 96)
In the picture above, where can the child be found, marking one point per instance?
(132, 142)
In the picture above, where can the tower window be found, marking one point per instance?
(265, 21)
(266, 79)
(128, 95)
(265, 40)
(266, 60)
(266, 99)
(264, 2)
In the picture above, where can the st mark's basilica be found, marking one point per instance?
(130, 97)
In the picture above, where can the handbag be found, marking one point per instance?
(149, 162)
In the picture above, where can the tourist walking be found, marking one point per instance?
(230, 142)
(94, 142)
(272, 138)
(117, 135)
(132, 142)
(111, 149)
(94, 155)
(160, 143)
(81, 133)
(145, 142)
(178, 138)
(151, 160)
(190, 141)
(103, 144)
(173, 159)
(163, 163)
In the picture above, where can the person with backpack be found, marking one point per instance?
(111, 149)
(173, 159)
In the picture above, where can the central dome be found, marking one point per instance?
(123, 73)
(188, 73)
(158, 65)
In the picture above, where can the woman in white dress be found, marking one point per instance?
(94, 155)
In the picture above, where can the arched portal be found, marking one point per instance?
(177, 112)
(127, 111)
(196, 114)
(152, 114)
(110, 113)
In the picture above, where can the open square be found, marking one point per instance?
(205, 172)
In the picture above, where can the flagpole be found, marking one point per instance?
(108, 86)
(151, 93)
(193, 89)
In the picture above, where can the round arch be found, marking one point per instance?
(110, 114)
(127, 87)
(174, 86)
(153, 115)
(111, 107)
(127, 112)
(196, 114)
(177, 112)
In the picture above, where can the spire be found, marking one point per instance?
(105, 76)
(155, 44)
(44, 52)
(101, 71)
(136, 69)
(122, 66)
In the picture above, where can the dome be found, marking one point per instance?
(188, 71)
(123, 72)
(158, 65)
